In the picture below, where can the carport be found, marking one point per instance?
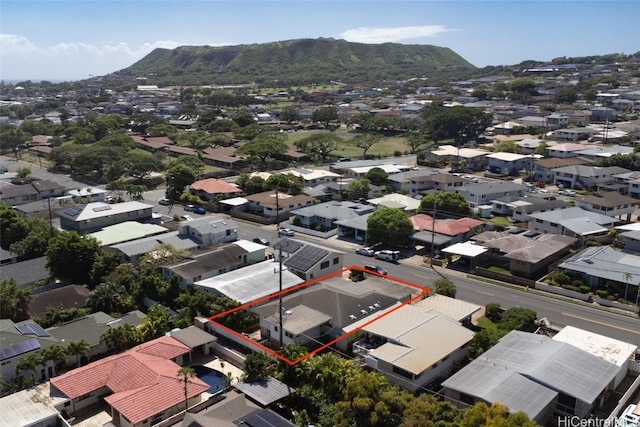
(469, 252)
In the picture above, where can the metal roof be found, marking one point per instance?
(453, 308)
(306, 258)
(265, 391)
(606, 263)
(525, 371)
(193, 337)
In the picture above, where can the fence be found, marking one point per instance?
(522, 281)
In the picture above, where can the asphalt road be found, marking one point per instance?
(559, 312)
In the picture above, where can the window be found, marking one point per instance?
(402, 372)
(465, 398)
(288, 334)
(336, 260)
(324, 265)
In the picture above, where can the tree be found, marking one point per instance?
(319, 145)
(496, 415)
(517, 317)
(389, 226)
(482, 341)
(139, 164)
(365, 142)
(566, 95)
(110, 298)
(462, 124)
(79, 348)
(243, 118)
(444, 287)
(522, 90)
(163, 253)
(57, 354)
(185, 374)
(377, 176)
(13, 227)
(358, 189)
(157, 322)
(70, 255)
(14, 302)
(178, 178)
(263, 147)
(289, 114)
(506, 147)
(447, 203)
(426, 411)
(121, 338)
(23, 176)
(257, 366)
(417, 140)
(35, 243)
(325, 115)
(29, 363)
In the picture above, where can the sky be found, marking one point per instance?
(73, 40)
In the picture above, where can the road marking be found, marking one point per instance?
(633, 331)
(486, 293)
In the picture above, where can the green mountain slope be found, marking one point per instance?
(297, 62)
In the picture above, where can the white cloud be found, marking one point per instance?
(385, 35)
(20, 57)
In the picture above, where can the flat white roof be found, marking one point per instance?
(508, 157)
(609, 349)
(251, 282)
(453, 308)
(468, 249)
(29, 407)
(236, 201)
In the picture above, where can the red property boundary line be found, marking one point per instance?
(424, 291)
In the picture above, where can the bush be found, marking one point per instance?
(602, 293)
(560, 278)
(493, 311)
(584, 289)
(397, 153)
(356, 275)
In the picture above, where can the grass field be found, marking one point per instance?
(386, 147)
(487, 324)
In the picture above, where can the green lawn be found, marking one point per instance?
(487, 324)
(500, 221)
(386, 147)
(500, 270)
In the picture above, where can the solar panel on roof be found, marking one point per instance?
(32, 328)
(266, 418)
(74, 211)
(306, 258)
(101, 208)
(19, 348)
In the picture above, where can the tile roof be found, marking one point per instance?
(74, 296)
(214, 186)
(143, 382)
(557, 162)
(447, 227)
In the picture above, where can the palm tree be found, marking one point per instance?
(57, 354)
(186, 373)
(79, 348)
(29, 363)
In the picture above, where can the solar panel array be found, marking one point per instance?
(288, 245)
(31, 328)
(102, 208)
(74, 211)
(306, 258)
(266, 418)
(19, 348)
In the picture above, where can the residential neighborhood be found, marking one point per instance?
(171, 262)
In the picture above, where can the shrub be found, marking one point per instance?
(612, 298)
(561, 278)
(584, 289)
(493, 311)
(602, 293)
(397, 153)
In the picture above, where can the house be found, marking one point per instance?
(196, 339)
(126, 232)
(223, 157)
(131, 251)
(544, 169)
(250, 283)
(632, 182)
(313, 177)
(518, 208)
(574, 222)
(275, 203)
(454, 308)
(534, 374)
(141, 386)
(212, 189)
(528, 254)
(610, 203)
(327, 310)
(14, 195)
(325, 215)
(483, 193)
(28, 408)
(509, 163)
(565, 150)
(597, 153)
(94, 216)
(574, 134)
(400, 182)
(398, 201)
(209, 230)
(468, 158)
(399, 345)
(308, 260)
(90, 328)
(615, 351)
(20, 340)
(436, 182)
(26, 273)
(214, 260)
(88, 194)
(443, 232)
(358, 168)
(631, 240)
(46, 189)
(354, 228)
(596, 265)
(65, 297)
(586, 176)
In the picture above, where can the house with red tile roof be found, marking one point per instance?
(141, 386)
(443, 232)
(210, 188)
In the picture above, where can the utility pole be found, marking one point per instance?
(280, 294)
(433, 229)
(278, 221)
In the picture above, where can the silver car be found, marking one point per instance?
(365, 251)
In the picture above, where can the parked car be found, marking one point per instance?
(365, 251)
(286, 232)
(199, 210)
(387, 255)
(186, 217)
(567, 193)
(376, 269)
(189, 208)
(164, 202)
(261, 240)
